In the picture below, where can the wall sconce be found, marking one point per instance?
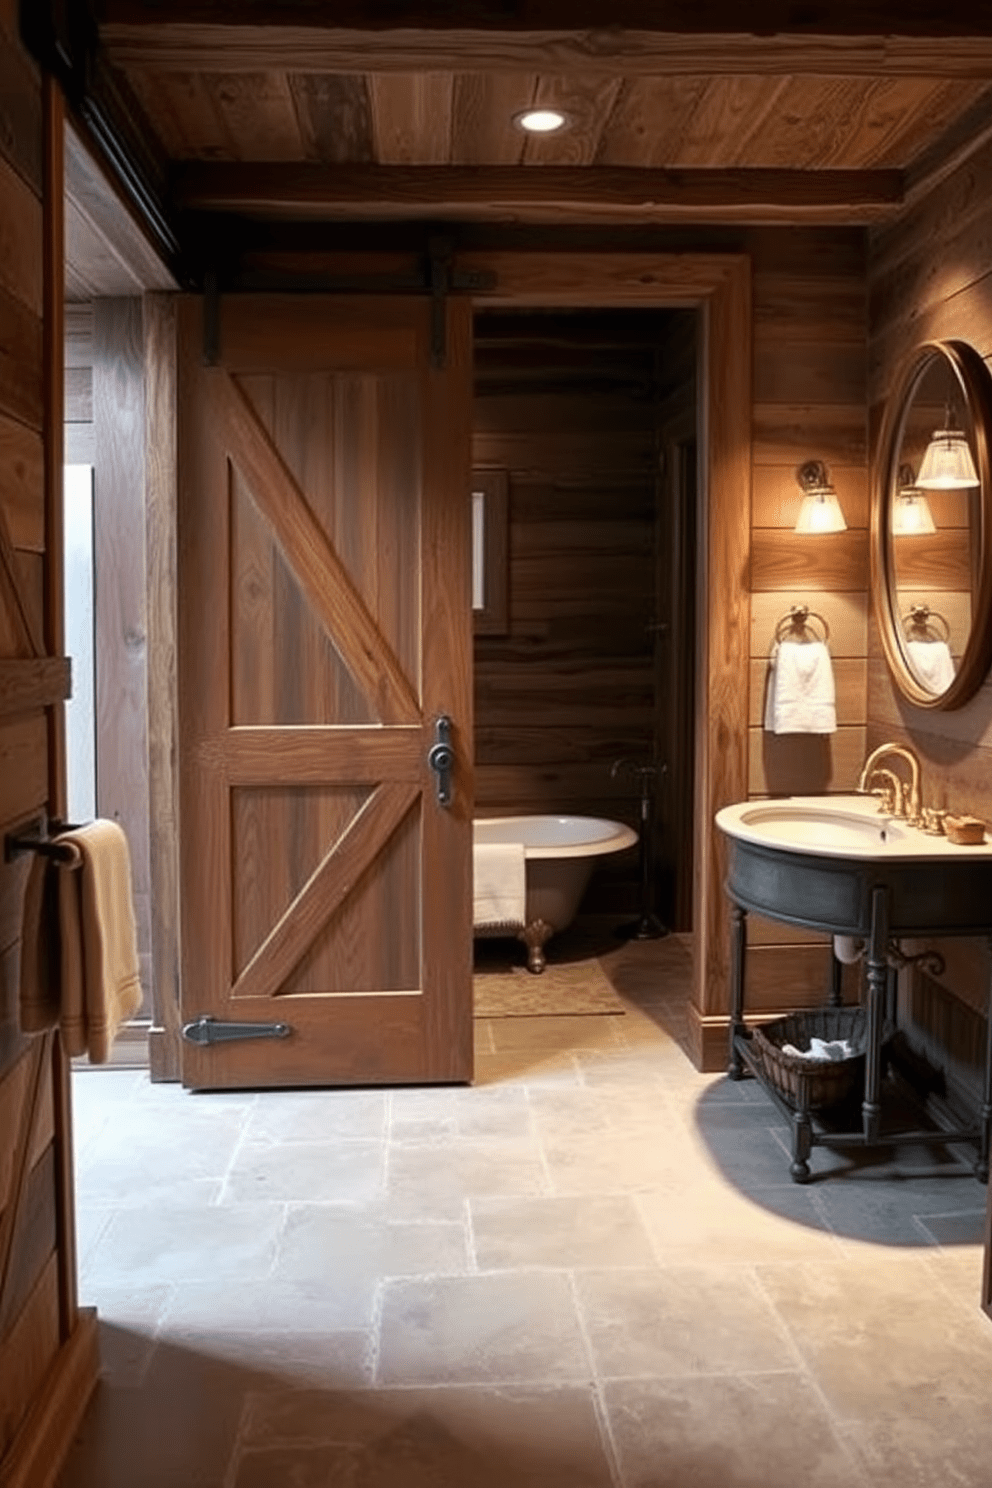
(947, 464)
(911, 514)
(820, 510)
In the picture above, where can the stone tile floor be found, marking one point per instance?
(590, 1270)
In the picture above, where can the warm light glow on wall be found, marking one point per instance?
(542, 120)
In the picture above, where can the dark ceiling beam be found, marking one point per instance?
(759, 17)
(264, 188)
(242, 38)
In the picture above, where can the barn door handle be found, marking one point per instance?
(441, 758)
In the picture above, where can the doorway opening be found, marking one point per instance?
(589, 418)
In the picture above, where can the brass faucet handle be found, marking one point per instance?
(889, 789)
(932, 821)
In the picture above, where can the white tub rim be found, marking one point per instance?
(599, 834)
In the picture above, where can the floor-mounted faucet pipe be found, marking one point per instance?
(647, 926)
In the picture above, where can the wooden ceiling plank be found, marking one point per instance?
(650, 120)
(810, 126)
(258, 113)
(261, 186)
(335, 114)
(411, 118)
(483, 110)
(177, 46)
(953, 115)
(728, 112)
(588, 102)
(179, 106)
(886, 111)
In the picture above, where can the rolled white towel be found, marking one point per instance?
(825, 1050)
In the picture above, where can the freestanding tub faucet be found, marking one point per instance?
(910, 804)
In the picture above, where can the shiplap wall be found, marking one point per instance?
(810, 358)
(47, 1358)
(930, 279)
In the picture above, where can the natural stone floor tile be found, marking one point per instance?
(424, 1115)
(879, 1338)
(502, 1328)
(457, 1437)
(681, 1320)
(431, 1180)
(560, 1232)
(532, 1068)
(128, 1319)
(753, 1431)
(317, 1116)
(223, 1245)
(348, 1252)
(946, 1440)
(556, 1033)
(351, 1171)
(705, 1220)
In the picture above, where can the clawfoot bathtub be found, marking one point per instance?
(560, 854)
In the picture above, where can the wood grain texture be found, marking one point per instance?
(120, 612)
(407, 181)
(779, 559)
(159, 328)
(58, 1393)
(312, 837)
(22, 484)
(134, 41)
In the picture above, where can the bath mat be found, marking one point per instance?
(570, 990)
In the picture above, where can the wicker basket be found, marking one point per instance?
(813, 1084)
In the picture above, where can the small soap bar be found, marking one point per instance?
(967, 831)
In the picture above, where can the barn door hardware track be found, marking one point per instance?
(207, 1030)
(439, 276)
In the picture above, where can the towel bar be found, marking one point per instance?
(36, 837)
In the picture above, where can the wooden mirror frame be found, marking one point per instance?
(973, 377)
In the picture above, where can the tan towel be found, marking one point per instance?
(499, 885)
(99, 951)
(39, 983)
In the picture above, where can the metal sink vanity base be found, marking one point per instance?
(879, 901)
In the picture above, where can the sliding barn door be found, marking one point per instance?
(325, 636)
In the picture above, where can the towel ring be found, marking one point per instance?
(796, 625)
(918, 627)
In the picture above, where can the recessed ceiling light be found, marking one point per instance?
(542, 121)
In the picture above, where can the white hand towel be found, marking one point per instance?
(800, 697)
(932, 663)
(499, 883)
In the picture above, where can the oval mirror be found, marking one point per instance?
(931, 527)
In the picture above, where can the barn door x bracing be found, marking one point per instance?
(324, 636)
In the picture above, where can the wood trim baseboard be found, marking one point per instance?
(42, 1443)
(709, 1037)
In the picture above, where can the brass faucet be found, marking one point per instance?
(907, 802)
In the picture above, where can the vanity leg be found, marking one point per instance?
(982, 1164)
(738, 950)
(836, 995)
(802, 1146)
(877, 982)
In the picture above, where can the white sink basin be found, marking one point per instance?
(837, 827)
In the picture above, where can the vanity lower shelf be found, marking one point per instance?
(819, 1128)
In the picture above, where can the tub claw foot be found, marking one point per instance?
(535, 936)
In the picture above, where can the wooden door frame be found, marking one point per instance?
(718, 286)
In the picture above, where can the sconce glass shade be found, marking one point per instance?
(947, 464)
(820, 510)
(911, 514)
